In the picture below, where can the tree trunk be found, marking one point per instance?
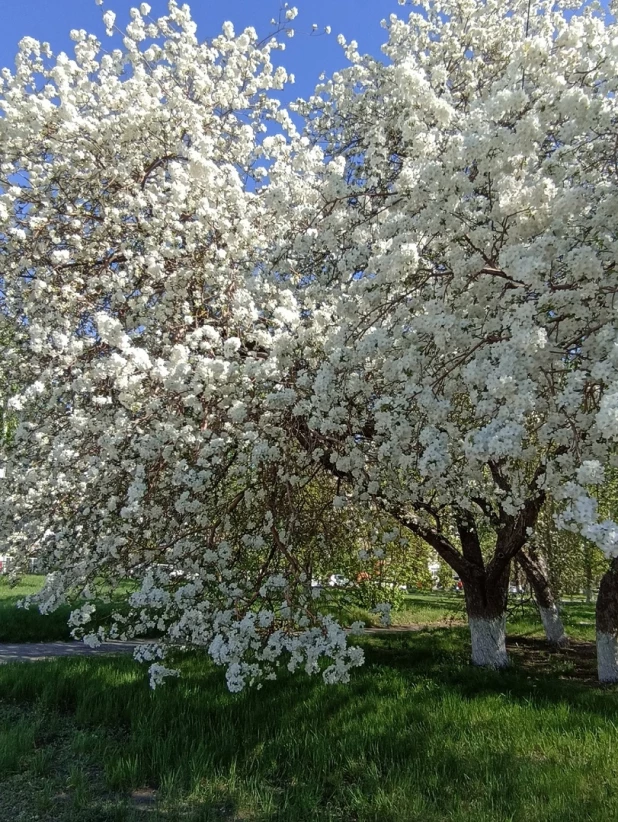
(607, 625)
(486, 608)
(486, 583)
(588, 572)
(534, 569)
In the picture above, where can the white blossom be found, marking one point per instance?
(109, 18)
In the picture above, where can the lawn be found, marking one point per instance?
(417, 735)
(21, 625)
(434, 608)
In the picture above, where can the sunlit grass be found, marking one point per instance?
(20, 625)
(28, 625)
(430, 608)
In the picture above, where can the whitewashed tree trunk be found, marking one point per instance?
(535, 570)
(489, 641)
(486, 601)
(607, 625)
(607, 657)
(554, 629)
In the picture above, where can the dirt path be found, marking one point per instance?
(35, 651)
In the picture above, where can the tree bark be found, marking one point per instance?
(536, 574)
(607, 625)
(486, 608)
(485, 585)
(588, 573)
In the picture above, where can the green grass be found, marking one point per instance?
(578, 619)
(28, 625)
(446, 608)
(427, 608)
(20, 625)
(424, 608)
(417, 735)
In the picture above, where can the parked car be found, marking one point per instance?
(338, 581)
(141, 568)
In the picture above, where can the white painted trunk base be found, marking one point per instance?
(488, 642)
(554, 629)
(607, 657)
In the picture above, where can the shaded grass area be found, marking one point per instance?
(417, 735)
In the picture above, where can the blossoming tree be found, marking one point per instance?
(536, 572)
(135, 228)
(462, 257)
(415, 296)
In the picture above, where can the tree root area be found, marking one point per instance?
(575, 662)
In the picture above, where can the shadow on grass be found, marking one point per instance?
(537, 671)
(417, 734)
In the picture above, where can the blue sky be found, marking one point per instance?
(306, 56)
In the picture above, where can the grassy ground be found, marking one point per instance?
(21, 625)
(447, 609)
(417, 735)
(422, 609)
(428, 608)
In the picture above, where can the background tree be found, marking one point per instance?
(537, 576)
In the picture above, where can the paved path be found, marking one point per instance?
(35, 651)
